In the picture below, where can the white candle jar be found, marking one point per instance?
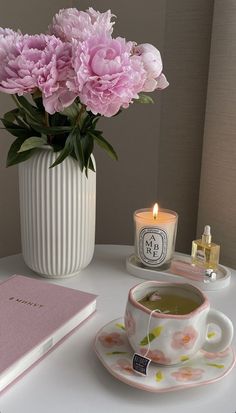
(155, 237)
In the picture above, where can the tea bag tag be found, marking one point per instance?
(140, 364)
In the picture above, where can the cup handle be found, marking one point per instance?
(227, 330)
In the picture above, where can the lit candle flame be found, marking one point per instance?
(155, 211)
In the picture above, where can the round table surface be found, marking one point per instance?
(71, 379)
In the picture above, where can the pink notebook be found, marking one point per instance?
(34, 316)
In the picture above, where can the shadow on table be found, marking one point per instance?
(113, 259)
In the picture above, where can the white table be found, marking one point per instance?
(72, 380)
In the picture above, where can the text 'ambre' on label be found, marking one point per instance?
(153, 245)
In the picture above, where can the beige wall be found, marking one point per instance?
(217, 204)
(186, 57)
(159, 146)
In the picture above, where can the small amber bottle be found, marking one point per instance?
(204, 252)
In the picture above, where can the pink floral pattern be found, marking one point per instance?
(195, 372)
(123, 365)
(184, 339)
(155, 355)
(130, 325)
(219, 355)
(185, 374)
(111, 340)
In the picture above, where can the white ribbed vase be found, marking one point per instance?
(57, 208)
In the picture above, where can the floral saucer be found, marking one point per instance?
(113, 350)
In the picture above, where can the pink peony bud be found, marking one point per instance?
(152, 63)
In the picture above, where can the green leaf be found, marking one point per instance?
(95, 118)
(11, 116)
(120, 325)
(16, 130)
(145, 99)
(55, 130)
(22, 123)
(87, 148)
(14, 157)
(66, 151)
(184, 358)
(159, 376)
(29, 109)
(15, 115)
(72, 111)
(151, 336)
(39, 103)
(218, 366)
(104, 145)
(58, 120)
(63, 155)
(211, 334)
(147, 339)
(91, 165)
(31, 143)
(87, 124)
(78, 149)
(114, 353)
(157, 331)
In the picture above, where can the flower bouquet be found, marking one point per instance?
(62, 83)
(72, 76)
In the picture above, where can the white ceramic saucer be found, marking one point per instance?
(113, 350)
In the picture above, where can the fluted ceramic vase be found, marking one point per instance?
(57, 208)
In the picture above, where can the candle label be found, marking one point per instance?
(153, 246)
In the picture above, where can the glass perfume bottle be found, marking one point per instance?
(204, 252)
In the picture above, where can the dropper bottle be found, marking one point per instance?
(205, 253)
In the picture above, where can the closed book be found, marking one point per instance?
(34, 316)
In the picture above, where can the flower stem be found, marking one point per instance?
(80, 114)
(47, 123)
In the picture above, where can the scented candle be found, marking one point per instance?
(155, 234)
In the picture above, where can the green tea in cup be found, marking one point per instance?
(169, 302)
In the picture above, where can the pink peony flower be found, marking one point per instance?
(188, 374)
(129, 324)
(8, 32)
(15, 76)
(107, 76)
(184, 339)
(155, 355)
(8, 47)
(71, 24)
(124, 366)
(111, 340)
(152, 63)
(39, 61)
(58, 100)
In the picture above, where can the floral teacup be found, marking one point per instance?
(171, 338)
